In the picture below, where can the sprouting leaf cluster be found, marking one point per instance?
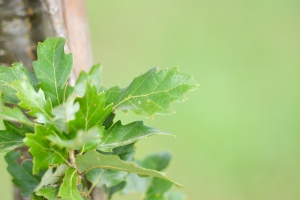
(73, 141)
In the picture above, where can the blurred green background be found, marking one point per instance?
(238, 134)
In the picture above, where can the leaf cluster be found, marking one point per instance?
(74, 143)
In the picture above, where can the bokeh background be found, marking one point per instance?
(238, 135)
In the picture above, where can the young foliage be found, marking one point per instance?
(74, 142)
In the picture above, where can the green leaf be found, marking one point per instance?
(17, 72)
(157, 189)
(80, 140)
(92, 110)
(120, 135)
(33, 101)
(14, 115)
(49, 192)
(44, 154)
(50, 177)
(152, 92)
(106, 177)
(99, 177)
(92, 160)
(53, 69)
(112, 190)
(13, 136)
(68, 189)
(158, 161)
(92, 78)
(65, 113)
(22, 174)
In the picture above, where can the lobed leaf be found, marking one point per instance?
(152, 92)
(92, 160)
(50, 177)
(53, 69)
(65, 113)
(22, 174)
(33, 101)
(92, 113)
(14, 115)
(68, 189)
(92, 78)
(44, 154)
(92, 110)
(13, 136)
(49, 192)
(18, 72)
(120, 135)
(89, 138)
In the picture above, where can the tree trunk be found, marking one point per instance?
(24, 23)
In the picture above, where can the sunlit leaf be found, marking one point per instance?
(92, 110)
(33, 101)
(65, 113)
(44, 154)
(18, 72)
(79, 141)
(152, 92)
(92, 78)
(68, 189)
(53, 68)
(50, 177)
(49, 192)
(14, 115)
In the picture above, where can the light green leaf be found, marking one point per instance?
(11, 74)
(99, 177)
(14, 115)
(22, 174)
(120, 135)
(43, 153)
(53, 68)
(80, 140)
(13, 136)
(50, 177)
(92, 78)
(152, 92)
(33, 101)
(68, 189)
(49, 192)
(65, 113)
(158, 161)
(92, 160)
